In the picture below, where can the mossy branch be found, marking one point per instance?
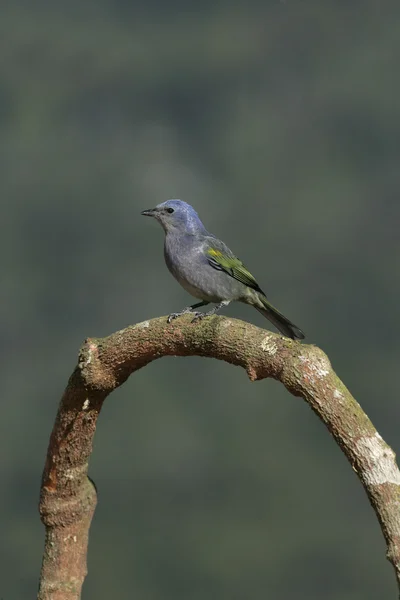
(68, 498)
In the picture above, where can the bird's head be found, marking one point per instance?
(176, 215)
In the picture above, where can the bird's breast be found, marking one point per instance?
(187, 262)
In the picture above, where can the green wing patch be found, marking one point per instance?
(232, 266)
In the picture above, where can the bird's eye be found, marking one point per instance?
(170, 210)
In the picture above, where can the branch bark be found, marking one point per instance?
(68, 497)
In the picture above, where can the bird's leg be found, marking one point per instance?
(186, 310)
(216, 308)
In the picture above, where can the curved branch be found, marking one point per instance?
(68, 498)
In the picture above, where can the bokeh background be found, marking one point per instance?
(280, 123)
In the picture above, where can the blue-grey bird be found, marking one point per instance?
(207, 269)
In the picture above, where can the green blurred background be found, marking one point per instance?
(280, 123)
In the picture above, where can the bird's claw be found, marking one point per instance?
(173, 316)
(198, 316)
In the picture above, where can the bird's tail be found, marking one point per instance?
(281, 323)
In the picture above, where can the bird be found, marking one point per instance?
(207, 269)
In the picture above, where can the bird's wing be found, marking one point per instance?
(221, 258)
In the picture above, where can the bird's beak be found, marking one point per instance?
(149, 213)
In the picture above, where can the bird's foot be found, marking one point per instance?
(173, 316)
(198, 316)
(209, 313)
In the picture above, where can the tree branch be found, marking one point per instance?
(68, 498)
